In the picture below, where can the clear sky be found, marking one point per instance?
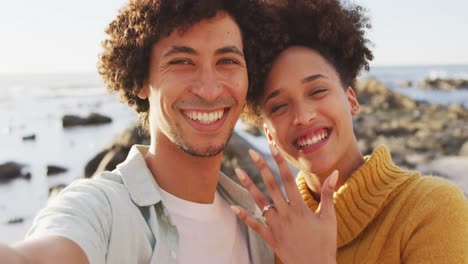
(64, 36)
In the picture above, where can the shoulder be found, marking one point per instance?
(433, 201)
(433, 215)
(102, 185)
(433, 190)
(83, 196)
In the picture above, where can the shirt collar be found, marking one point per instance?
(138, 179)
(145, 191)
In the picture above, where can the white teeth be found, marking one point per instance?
(311, 140)
(205, 118)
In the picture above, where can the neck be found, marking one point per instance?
(346, 169)
(183, 175)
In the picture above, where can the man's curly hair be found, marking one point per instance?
(124, 61)
(334, 28)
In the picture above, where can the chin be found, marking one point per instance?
(208, 152)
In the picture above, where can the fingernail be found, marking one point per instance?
(254, 155)
(273, 150)
(235, 209)
(239, 174)
(333, 179)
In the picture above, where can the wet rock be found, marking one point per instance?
(31, 137)
(54, 170)
(115, 152)
(443, 84)
(17, 220)
(93, 164)
(12, 170)
(92, 119)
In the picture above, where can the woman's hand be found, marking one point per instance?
(296, 234)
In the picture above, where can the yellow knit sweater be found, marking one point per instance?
(388, 215)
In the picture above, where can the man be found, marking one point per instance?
(181, 64)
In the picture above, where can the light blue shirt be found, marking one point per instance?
(118, 217)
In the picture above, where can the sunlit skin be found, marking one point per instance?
(201, 71)
(308, 115)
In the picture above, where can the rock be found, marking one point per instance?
(92, 119)
(406, 84)
(54, 170)
(93, 164)
(364, 147)
(12, 170)
(443, 84)
(31, 137)
(373, 93)
(17, 220)
(251, 129)
(451, 167)
(413, 160)
(116, 151)
(464, 149)
(54, 190)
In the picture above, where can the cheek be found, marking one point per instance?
(239, 82)
(278, 131)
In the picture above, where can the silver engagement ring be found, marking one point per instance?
(266, 208)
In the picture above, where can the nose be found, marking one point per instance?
(208, 86)
(303, 114)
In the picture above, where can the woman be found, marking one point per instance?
(305, 103)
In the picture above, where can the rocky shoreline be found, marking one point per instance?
(439, 84)
(416, 132)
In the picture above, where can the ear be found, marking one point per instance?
(353, 101)
(268, 134)
(144, 92)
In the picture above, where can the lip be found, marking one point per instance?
(206, 127)
(315, 146)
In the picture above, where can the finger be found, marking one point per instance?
(327, 207)
(249, 220)
(256, 194)
(269, 180)
(286, 176)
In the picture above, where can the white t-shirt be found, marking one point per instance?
(208, 233)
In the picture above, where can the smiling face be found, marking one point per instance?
(308, 113)
(197, 86)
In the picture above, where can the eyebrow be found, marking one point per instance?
(305, 80)
(229, 49)
(272, 95)
(188, 50)
(180, 49)
(313, 78)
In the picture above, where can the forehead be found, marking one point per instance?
(307, 61)
(208, 34)
(296, 63)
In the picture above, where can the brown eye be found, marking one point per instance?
(276, 108)
(317, 91)
(228, 61)
(181, 62)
